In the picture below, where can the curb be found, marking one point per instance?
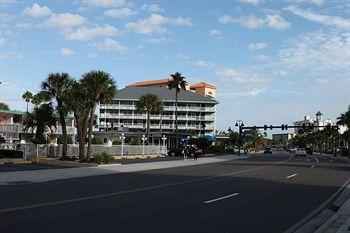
(312, 220)
(15, 162)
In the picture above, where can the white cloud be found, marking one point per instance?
(262, 57)
(252, 22)
(157, 40)
(120, 12)
(203, 64)
(2, 42)
(182, 57)
(257, 46)
(321, 81)
(37, 11)
(254, 2)
(317, 2)
(63, 21)
(66, 52)
(90, 4)
(85, 33)
(243, 76)
(214, 32)
(151, 7)
(318, 51)
(110, 45)
(335, 21)
(154, 23)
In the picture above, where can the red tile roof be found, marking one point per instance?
(202, 84)
(149, 83)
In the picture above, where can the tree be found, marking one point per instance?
(101, 88)
(40, 119)
(39, 98)
(56, 87)
(77, 100)
(344, 120)
(149, 104)
(177, 82)
(27, 96)
(4, 106)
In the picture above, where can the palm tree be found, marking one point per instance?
(4, 106)
(77, 100)
(101, 88)
(40, 119)
(56, 86)
(177, 82)
(39, 98)
(149, 104)
(344, 119)
(27, 96)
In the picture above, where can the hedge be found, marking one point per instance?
(11, 154)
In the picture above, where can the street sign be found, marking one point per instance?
(247, 134)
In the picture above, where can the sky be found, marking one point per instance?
(272, 61)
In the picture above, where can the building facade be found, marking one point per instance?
(282, 138)
(196, 112)
(317, 122)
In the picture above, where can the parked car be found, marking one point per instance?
(293, 150)
(243, 151)
(300, 152)
(267, 151)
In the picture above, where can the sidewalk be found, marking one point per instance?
(68, 173)
(340, 221)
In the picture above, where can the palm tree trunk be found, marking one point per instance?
(27, 106)
(64, 134)
(81, 143)
(91, 122)
(176, 125)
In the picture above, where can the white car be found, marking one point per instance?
(300, 152)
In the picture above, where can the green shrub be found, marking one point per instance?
(97, 141)
(103, 158)
(11, 154)
(117, 143)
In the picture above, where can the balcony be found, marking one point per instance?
(11, 131)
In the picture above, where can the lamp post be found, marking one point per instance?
(143, 144)
(240, 124)
(122, 138)
(229, 138)
(164, 139)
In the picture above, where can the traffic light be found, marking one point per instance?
(265, 127)
(286, 127)
(282, 126)
(271, 127)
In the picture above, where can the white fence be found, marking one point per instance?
(31, 151)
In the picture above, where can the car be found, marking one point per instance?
(267, 151)
(242, 151)
(300, 152)
(293, 150)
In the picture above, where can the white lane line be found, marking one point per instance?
(221, 198)
(312, 166)
(291, 176)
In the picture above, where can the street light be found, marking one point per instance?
(143, 143)
(229, 139)
(240, 124)
(122, 138)
(164, 139)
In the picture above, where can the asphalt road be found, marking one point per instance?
(260, 194)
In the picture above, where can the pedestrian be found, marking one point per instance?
(185, 152)
(195, 155)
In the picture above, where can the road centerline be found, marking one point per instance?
(221, 198)
(288, 177)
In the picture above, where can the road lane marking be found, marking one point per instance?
(221, 198)
(291, 176)
(112, 194)
(312, 166)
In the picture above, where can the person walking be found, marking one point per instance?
(185, 152)
(195, 155)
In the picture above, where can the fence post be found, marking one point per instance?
(122, 149)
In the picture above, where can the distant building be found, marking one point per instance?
(316, 122)
(12, 130)
(196, 110)
(282, 138)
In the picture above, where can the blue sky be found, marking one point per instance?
(272, 61)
